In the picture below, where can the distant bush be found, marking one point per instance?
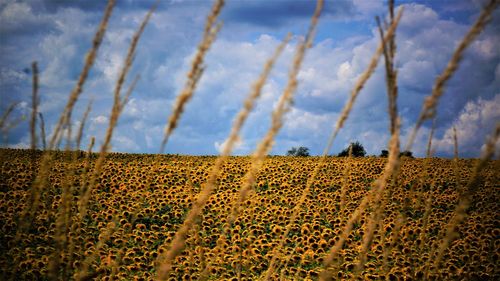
(406, 153)
(357, 150)
(298, 151)
(384, 153)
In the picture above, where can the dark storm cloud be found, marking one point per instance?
(58, 34)
(280, 13)
(52, 6)
(20, 19)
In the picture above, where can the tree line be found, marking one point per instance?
(355, 149)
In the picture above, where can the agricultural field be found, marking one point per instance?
(68, 214)
(140, 201)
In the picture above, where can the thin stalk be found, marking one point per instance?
(248, 106)
(42, 131)
(65, 118)
(465, 200)
(115, 112)
(34, 105)
(210, 32)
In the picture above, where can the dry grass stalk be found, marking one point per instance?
(393, 240)
(455, 144)
(345, 180)
(345, 113)
(130, 89)
(82, 125)
(65, 117)
(6, 114)
(283, 106)
(378, 189)
(5, 126)
(334, 251)
(239, 120)
(249, 103)
(429, 106)
(180, 237)
(428, 209)
(28, 214)
(104, 236)
(41, 179)
(62, 225)
(34, 105)
(391, 168)
(209, 35)
(455, 159)
(429, 142)
(390, 72)
(428, 201)
(63, 219)
(116, 110)
(177, 245)
(258, 157)
(34, 110)
(364, 77)
(42, 131)
(392, 43)
(75, 226)
(465, 200)
(87, 158)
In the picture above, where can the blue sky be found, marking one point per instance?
(58, 33)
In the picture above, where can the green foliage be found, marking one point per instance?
(384, 153)
(357, 150)
(298, 151)
(406, 153)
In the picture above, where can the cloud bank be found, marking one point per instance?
(58, 33)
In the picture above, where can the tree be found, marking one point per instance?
(406, 153)
(384, 153)
(298, 151)
(357, 150)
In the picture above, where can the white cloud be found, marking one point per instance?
(474, 123)
(19, 17)
(369, 8)
(13, 76)
(125, 144)
(417, 73)
(417, 17)
(238, 147)
(100, 120)
(487, 48)
(300, 123)
(425, 42)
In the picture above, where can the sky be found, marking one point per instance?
(57, 34)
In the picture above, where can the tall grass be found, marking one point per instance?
(34, 104)
(465, 199)
(76, 196)
(210, 33)
(42, 131)
(240, 118)
(65, 118)
(118, 103)
(340, 122)
(41, 179)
